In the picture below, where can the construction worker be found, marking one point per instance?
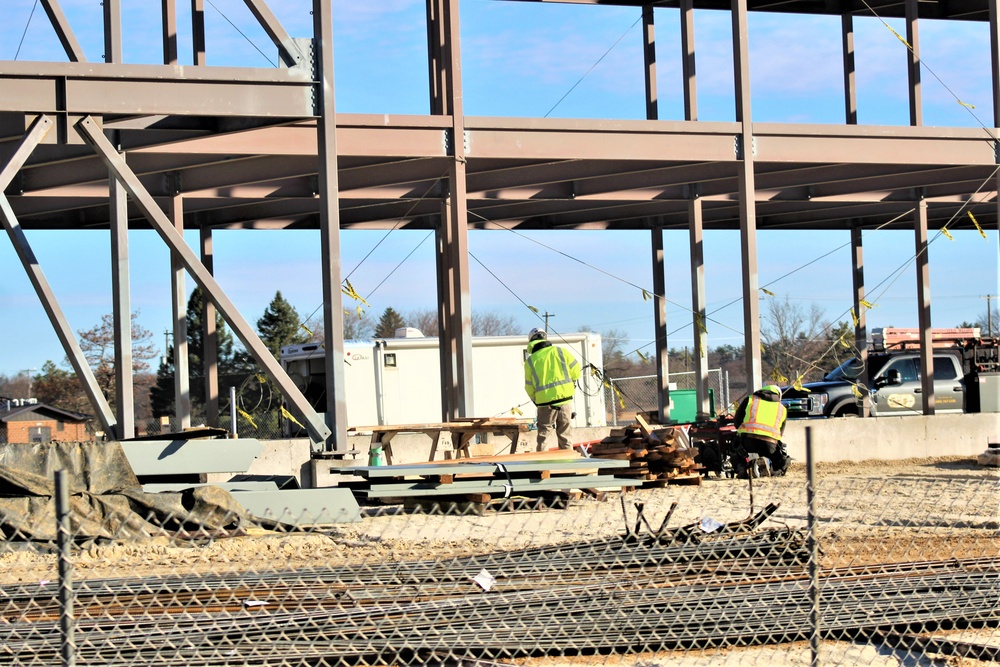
(760, 423)
(550, 375)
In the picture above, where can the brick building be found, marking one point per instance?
(25, 421)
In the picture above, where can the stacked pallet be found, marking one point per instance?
(658, 455)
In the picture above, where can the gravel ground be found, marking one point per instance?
(870, 512)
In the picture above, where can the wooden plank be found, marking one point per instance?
(643, 424)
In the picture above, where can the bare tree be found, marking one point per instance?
(798, 342)
(425, 320)
(98, 346)
(494, 324)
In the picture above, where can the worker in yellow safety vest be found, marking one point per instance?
(550, 375)
(760, 422)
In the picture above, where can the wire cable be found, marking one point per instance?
(26, 25)
(242, 34)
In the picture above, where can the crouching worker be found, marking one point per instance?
(760, 423)
(550, 375)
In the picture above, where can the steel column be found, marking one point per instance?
(288, 50)
(748, 208)
(178, 300)
(435, 57)
(329, 223)
(198, 32)
(660, 324)
(121, 310)
(697, 253)
(66, 37)
(209, 336)
(456, 339)
(36, 132)
(924, 306)
(688, 60)
(850, 84)
(913, 63)
(649, 60)
(860, 329)
(251, 341)
(169, 14)
(112, 31)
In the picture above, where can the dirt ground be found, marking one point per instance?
(869, 512)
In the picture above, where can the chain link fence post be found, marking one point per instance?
(64, 543)
(812, 545)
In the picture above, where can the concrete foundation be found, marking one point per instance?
(884, 438)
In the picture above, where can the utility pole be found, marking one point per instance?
(29, 372)
(989, 312)
(547, 315)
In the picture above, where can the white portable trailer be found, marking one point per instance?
(398, 381)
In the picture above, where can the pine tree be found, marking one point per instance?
(280, 325)
(388, 323)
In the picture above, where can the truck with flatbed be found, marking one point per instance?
(966, 377)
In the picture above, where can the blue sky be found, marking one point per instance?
(519, 59)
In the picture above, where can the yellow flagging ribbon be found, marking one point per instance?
(766, 291)
(867, 304)
(642, 356)
(533, 309)
(306, 329)
(348, 289)
(966, 104)
(976, 223)
(947, 235)
(646, 296)
(246, 416)
(290, 417)
(898, 36)
(855, 318)
(700, 322)
(856, 391)
(843, 339)
(516, 411)
(797, 385)
(778, 377)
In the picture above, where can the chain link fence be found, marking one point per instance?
(624, 397)
(864, 567)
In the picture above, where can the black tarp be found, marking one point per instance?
(106, 500)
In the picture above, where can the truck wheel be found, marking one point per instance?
(845, 410)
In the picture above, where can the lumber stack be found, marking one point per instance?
(658, 455)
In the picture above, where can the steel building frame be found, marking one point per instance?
(118, 146)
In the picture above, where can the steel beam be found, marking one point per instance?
(178, 301)
(688, 70)
(660, 325)
(291, 55)
(209, 336)
(63, 30)
(850, 84)
(649, 60)
(913, 63)
(995, 59)
(112, 31)
(698, 308)
(748, 210)
(168, 9)
(860, 328)
(333, 309)
(35, 134)
(198, 32)
(456, 347)
(121, 311)
(435, 57)
(56, 317)
(297, 403)
(922, 261)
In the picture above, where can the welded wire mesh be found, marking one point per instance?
(624, 397)
(716, 573)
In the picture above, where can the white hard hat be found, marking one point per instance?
(535, 334)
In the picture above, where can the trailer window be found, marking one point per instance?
(944, 369)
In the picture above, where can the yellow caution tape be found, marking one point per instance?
(349, 290)
(533, 309)
(798, 384)
(247, 417)
(361, 312)
(306, 329)
(516, 411)
(778, 377)
(843, 340)
(288, 415)
(898, 36)
(867, 304)
(856, 391)
(700, 322)
(642, 356)
(944, 230)
(976, 223)
(646, 296)
(855, 318)
(966, 104)
(766, 291)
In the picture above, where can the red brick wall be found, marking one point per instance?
(20, 431)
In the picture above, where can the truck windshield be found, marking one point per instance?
(849, 370)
